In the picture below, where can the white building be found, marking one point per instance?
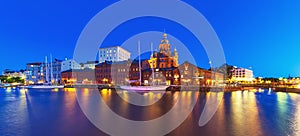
(90, 64)
(12, 73)
(34, 73)
(242, 74)
(69, 64)
(113, 53)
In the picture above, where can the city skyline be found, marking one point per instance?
(265, 39)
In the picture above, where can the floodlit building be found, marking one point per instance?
(113, 53)
(164, 64)
(242, 75)
(78, 76)
(191, 74)
(164, 58)
(115, 72)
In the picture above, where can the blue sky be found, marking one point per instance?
(264, 35)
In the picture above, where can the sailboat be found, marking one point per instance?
(47, 85)
(153, 87)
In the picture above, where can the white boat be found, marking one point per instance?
(45, 86)
(145, 88)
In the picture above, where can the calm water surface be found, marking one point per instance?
(57, 112)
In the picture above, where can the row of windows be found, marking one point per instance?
(107, 51)
(134, 75)
(135, 69)
(241, 76)
(103, 76)
(107, 55)
(110, 70)
(104, 70)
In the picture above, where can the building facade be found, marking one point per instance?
(113, 72)
(164, 58)
(34, 73)
(190, 74)
(114, 54)
(69, 64)
(78, 76)
(103, 73)
(242, 75)
(12, 73)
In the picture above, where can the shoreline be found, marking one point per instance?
(191, 88)
(285, 89)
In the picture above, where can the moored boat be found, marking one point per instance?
(45, 86)
(145, 88)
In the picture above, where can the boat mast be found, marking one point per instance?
(139, 48)
(152, 64)
(46, 67)
(51, 68)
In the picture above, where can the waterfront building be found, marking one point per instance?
(134, 72)
(110, 72)
(113, 53)
(13, 73)
(190, 74)
(34, 73)
(103, 73)
(120, 72)
(69, 64)
(78, 76)
(242, 75)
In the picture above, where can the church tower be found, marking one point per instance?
(175, 58)
(164, 46)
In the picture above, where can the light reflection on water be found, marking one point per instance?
(56, 112)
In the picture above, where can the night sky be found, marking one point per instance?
(261, 35)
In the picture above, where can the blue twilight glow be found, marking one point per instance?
(263, 35)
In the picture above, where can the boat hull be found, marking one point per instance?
(45, 87)
(144, 88)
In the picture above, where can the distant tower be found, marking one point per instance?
(175, 57)
(164, 46)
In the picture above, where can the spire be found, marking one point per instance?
(165, 36)
(165, 39)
